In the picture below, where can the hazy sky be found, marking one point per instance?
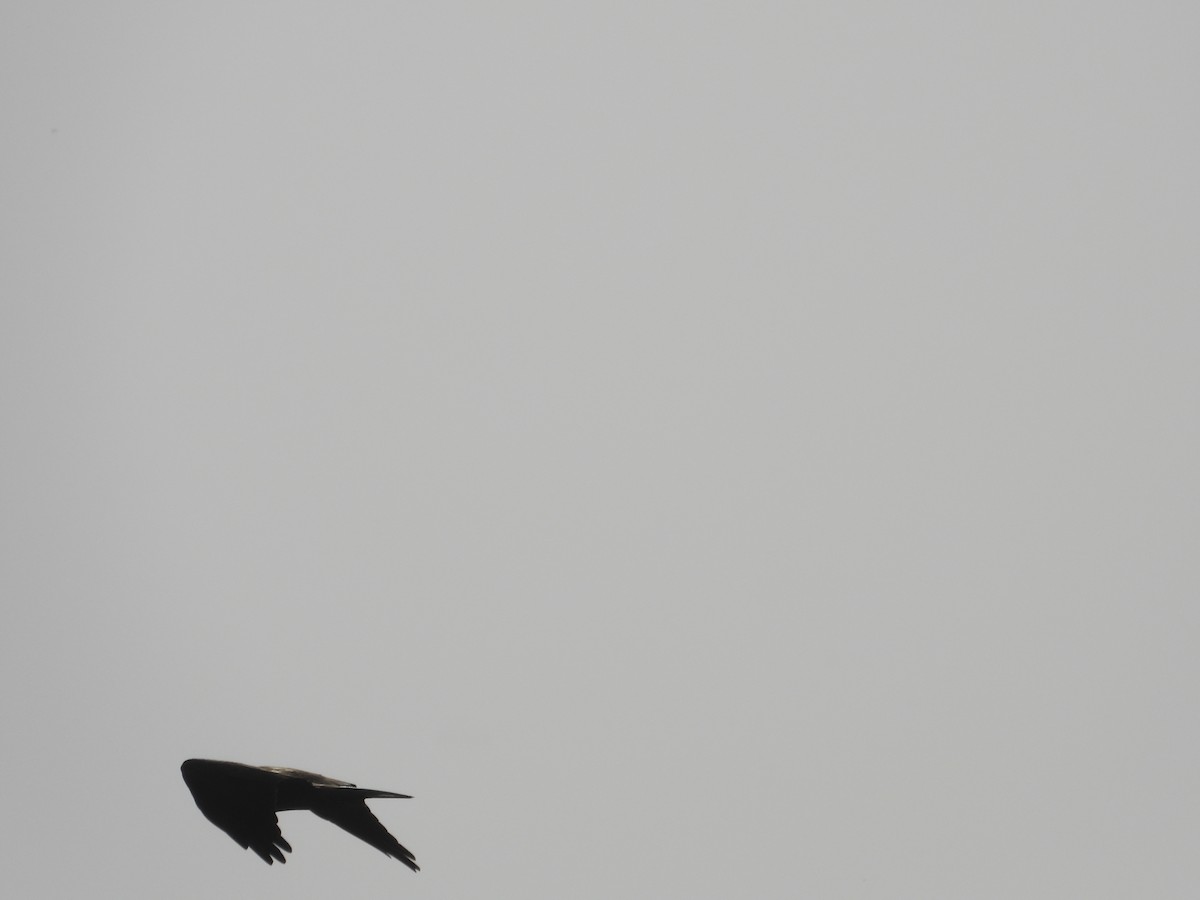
(700, 450)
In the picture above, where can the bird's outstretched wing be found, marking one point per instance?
(353, 815)
(240, 800)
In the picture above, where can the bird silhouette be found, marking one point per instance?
(242, 801)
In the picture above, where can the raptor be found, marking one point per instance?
(243, 801)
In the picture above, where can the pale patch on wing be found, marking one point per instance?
(311, 777)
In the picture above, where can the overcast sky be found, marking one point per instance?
(700, 450)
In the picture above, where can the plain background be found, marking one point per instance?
(700, 450)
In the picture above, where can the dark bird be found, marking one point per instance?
(242, 801)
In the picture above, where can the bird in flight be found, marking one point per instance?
(242, 801)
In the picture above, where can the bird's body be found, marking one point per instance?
(242, 801)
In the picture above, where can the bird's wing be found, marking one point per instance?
(240, 800)
(255, 828)
(354, 816)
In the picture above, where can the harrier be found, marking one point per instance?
(242, 801)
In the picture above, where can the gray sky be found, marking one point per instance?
(698, 450)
